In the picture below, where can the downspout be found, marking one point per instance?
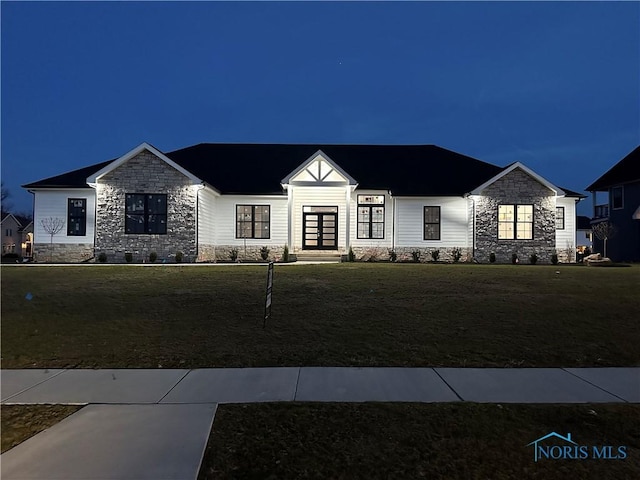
(290, 218)
(197, 223)
(95, 219)
(393, 222)
(348, 219)
(473, 226)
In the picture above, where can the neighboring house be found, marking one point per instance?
(17, 235)
(584, 234)
(622, 210)
(209, 199)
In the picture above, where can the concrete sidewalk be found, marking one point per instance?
(321, 384)
(155, 423)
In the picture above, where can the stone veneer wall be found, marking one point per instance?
(145, 173)
(252, 253)
(516, 187)
(404, 254)
(62, 252)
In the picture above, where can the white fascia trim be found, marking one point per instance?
(60, 189)
(14, 218)
(93, 179)
(303, 165)
(559, 192)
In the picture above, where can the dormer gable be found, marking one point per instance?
(319, 170)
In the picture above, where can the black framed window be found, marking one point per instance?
(370, 216)
(616, 198)
(515, 222)
(253, 221)
(559, 218)
(8, 232)
(146, 213)
(77, 217)
(432, 223)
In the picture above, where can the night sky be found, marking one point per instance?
(553, 85)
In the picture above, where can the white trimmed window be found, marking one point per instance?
(559, 218)
(432, 223)
(370, 216)
(515, 222)
(253, 221)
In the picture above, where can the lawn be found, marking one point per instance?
(323, 315)
(392, 440)
(19, 422)
(435, 441)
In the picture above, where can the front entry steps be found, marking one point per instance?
(319, 257)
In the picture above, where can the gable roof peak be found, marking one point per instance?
(93, 178)
(520, 166)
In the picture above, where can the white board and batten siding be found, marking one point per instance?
(54, 204)
(225, 219)
(317, 196)
(566, 238)
(455, 225)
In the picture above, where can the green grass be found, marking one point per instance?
(19, 422)
(435, 441)
(325, 315)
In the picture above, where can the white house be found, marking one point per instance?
(209, 199)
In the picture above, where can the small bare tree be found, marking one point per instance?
(52, 226)
(604, 231)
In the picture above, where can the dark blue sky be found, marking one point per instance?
(553, 85)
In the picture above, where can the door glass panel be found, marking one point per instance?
(312, 243)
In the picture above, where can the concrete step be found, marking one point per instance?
(319, 257)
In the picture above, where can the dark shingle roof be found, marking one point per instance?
(583, 223)
(73, 179)
(259, 168)
(403, 169)
(625, 171)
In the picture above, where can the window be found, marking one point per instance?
(616, 197)
(432, 223)
(146, 213)
(8, 232)
(515, 222)
(559, 218)
(253, 221)
(77, 217)
(370, 216)
(9, 248)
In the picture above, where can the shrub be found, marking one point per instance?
(554, 258)
(351, 257)
(285, 254)
(233, 254)
(492, 257)
(11, 255)
(102, 258)
(393, 256)
(514, 258)
(179, 256)
(264, 252)
(153, 256)
(416, 255)
(128, 257)
(435, 255)
(456, 253)
(533, 259)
